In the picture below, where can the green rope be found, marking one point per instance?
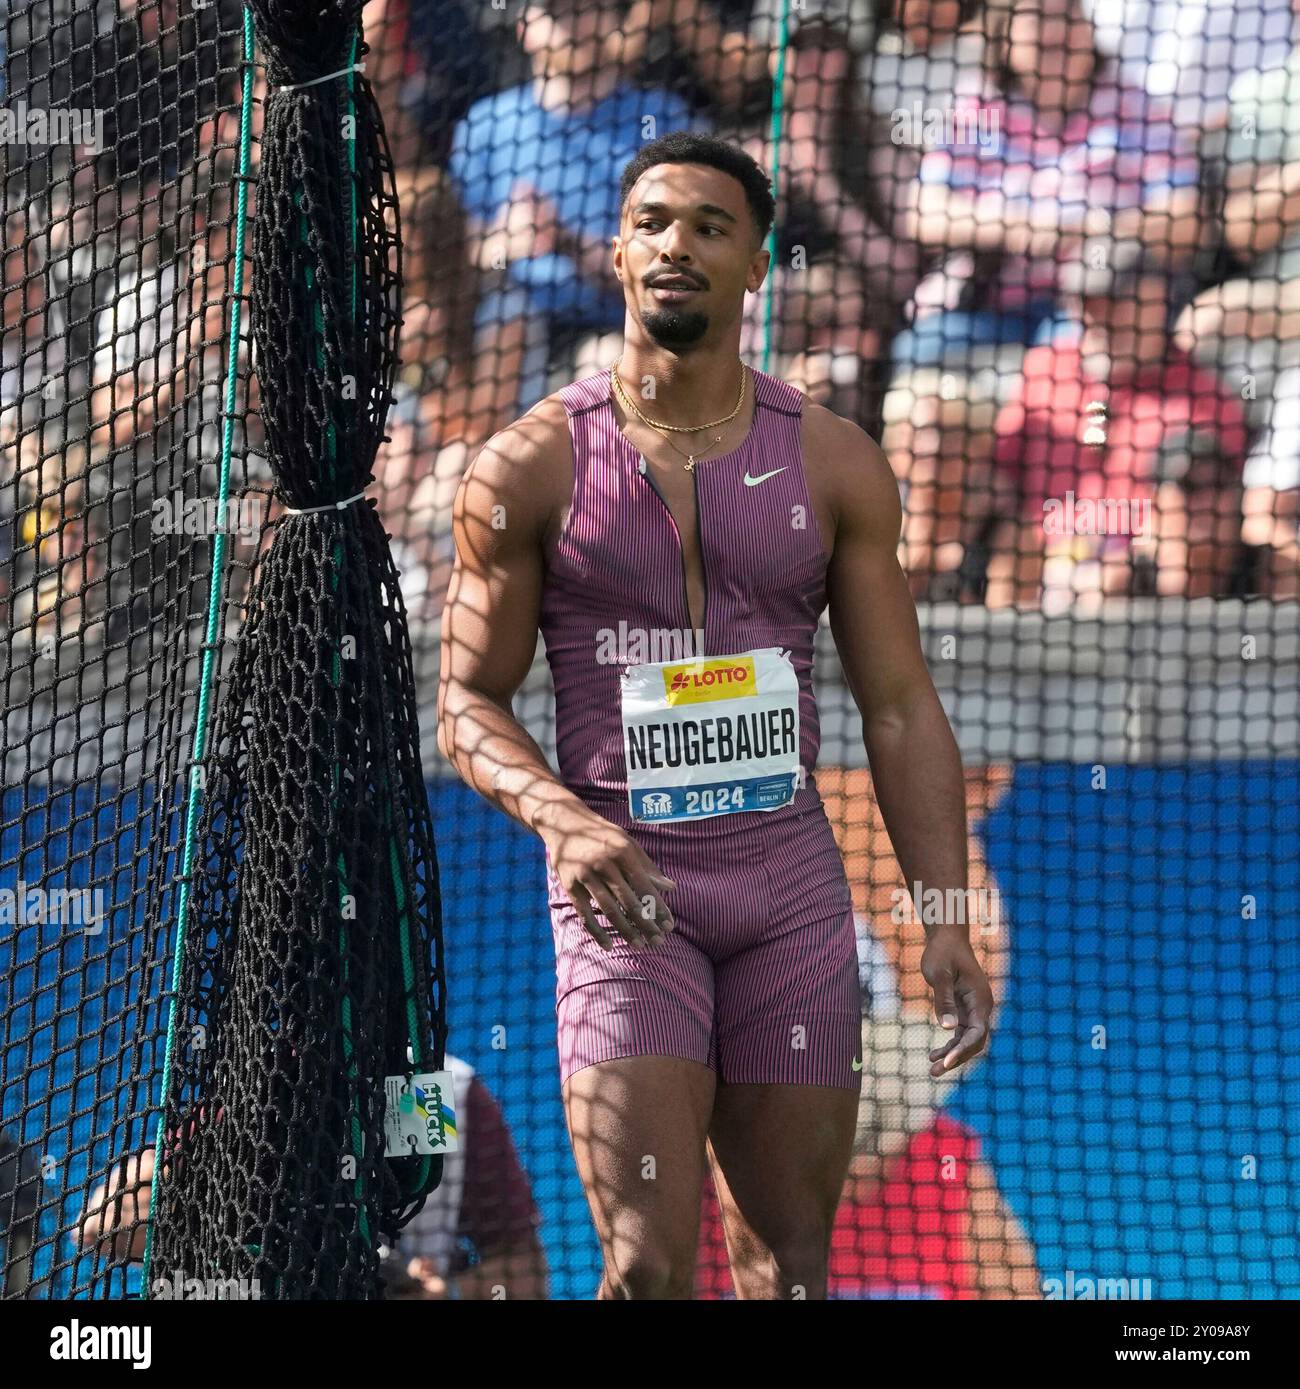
(194, 793)
(358, 1189)
(778, 100)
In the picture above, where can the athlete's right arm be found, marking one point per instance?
(489, 637)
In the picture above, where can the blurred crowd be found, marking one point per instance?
(118, 255)
(1047, 251)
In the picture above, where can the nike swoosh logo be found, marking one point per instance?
(762, 477)
(857, 1065)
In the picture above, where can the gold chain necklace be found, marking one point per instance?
(664, 429)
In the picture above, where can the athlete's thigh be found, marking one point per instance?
(783, 1152)
(638, 1125)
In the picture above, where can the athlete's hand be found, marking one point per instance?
(963, 999)
(600, 866)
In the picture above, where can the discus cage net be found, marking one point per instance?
(1046, 252)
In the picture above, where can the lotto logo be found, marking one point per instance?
(695, 681)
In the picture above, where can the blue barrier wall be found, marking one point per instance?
(1124, 1152)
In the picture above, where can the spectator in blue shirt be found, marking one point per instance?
(537, 169)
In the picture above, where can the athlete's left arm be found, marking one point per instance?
(915, 764)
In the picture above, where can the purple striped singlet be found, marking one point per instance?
(759, 977)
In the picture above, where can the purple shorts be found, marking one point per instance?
(759, 978)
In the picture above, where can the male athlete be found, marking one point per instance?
(674, 527)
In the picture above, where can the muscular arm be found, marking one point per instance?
(914, 759)
(490, 622)
(915, 764)
(489, 636)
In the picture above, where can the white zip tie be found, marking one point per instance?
(329, 77)
(331, 506)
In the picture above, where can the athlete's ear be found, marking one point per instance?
(758, 268)
(618, 256)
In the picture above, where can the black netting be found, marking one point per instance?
(1045, 251)
(321, 983)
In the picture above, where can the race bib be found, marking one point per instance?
(711, 736)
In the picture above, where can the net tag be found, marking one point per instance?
(420, 1114)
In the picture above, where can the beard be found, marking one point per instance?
(675, 328)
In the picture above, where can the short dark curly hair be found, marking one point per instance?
(688, 147)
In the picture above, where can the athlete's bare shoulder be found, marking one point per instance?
(526, 467)
(846, 465)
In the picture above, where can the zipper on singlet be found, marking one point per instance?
(681, 550)
(704, 572)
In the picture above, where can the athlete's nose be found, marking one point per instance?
(673, 247)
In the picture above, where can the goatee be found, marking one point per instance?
(673, 327)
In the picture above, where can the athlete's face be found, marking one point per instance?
(686, 252)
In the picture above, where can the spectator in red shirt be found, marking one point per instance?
(930, 1223)
(1118, 457)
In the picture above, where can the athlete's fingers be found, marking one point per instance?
(969, 1042)
(637, 861)
(945, 1009)
(945, 1003)
(596, 931)
(975, 1009)
(613, 909)
(646, 885)
(975, 1004)
(597, 894)
(643, 909)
